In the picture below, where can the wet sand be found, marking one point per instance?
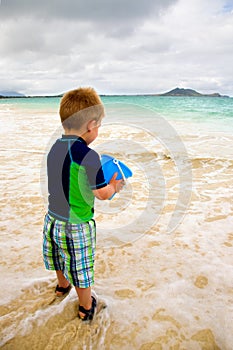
(163, 291)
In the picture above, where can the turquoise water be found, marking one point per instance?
(194, 108)
(33, 103)
(175, 108)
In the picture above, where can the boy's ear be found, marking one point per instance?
(91, 125)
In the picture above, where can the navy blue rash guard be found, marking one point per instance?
(73, 170)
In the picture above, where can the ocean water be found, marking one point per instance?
(164, 263)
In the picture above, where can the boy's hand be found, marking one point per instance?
(108, 191)
(117, 184)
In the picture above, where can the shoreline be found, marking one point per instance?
(177, 92)
(120, 95)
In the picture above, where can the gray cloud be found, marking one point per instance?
(102, 10)
(56, 25)
(130, 47)
(114, 18)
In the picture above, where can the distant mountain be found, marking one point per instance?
(10, 94)
(175, 92)
(13, 94)
(188, 92)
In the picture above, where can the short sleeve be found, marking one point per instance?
(94, 170)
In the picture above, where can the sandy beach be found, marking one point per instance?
(167, 284)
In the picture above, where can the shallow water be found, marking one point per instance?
(164, 263)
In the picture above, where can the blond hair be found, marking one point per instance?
(80, 106)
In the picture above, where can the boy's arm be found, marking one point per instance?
(107, 191)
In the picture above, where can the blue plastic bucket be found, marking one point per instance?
(111, 165)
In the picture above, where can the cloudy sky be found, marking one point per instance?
(116, 46)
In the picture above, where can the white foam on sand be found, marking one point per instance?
(162, 290)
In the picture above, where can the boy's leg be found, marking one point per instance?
(84, 296)
(62, 282)
(85, 300)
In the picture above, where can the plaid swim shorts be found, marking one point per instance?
(70, 248)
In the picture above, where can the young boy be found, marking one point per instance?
(75, 178)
